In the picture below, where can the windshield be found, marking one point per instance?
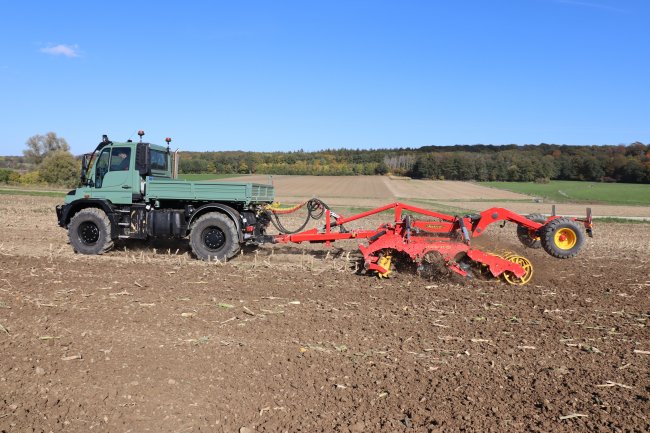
(101, 167)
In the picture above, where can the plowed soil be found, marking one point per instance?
(290, 338)
(372, 191)
(378, 187)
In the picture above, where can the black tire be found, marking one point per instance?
(562, 238)
(89, 232)
(214, 237)
(528, 237)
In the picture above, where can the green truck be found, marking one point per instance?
(131, 191)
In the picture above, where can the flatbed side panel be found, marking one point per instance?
(170, 189)
(224, 192)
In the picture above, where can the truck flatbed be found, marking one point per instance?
(174, 189)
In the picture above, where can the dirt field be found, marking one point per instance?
(289, 339)
(378, 187)
(372, 191)
(309, 186)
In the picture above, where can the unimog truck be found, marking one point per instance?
(130, 191)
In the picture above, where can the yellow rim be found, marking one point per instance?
(384, 262)
(565, 239)
(524, 263)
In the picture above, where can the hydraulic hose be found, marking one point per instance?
(315, 210)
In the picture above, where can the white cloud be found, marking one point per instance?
(62, 50)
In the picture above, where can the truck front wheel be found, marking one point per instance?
(214, 236)
(89, 232)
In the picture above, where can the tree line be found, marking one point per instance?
(542, 162)
(47, 159)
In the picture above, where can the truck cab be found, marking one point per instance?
(130, 191)
(118, 171)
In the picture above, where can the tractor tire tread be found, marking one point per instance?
(548, 238)
(524, 236)
(226, 225)
(99, 217)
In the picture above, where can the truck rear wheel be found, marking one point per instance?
(89, 232)
(214, 236)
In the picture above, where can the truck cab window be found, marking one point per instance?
(158, 160)
(120, 158)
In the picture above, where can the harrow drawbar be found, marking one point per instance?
(446, 236)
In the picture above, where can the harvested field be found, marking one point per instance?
(372, 191)
(378, 187)
(312, 186)
(146, 339)
(447, 189)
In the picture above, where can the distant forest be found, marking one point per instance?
(542, 162)
(478, 162)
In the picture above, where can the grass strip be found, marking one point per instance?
(33, 193)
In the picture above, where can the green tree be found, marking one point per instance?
(566, 168)
(5, 175)
(633, 171)
(59, 168)
(382, 168)
(482, 173)
(40, 146)
(590, 169)
(425, 167)
(243, 167)
(30, 178)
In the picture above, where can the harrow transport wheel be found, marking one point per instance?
(214, 237)
(528, 237)
(562, 238)
(524, 263)
(90, 232)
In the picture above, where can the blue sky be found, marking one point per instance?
(286, 75)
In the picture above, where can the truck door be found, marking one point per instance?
(114, 175)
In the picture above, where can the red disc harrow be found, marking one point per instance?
(449, 236)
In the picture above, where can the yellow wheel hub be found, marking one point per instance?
(524, 263)
(565, 239)
(384, 262)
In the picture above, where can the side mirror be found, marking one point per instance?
(84, 167)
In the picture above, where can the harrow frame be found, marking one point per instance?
(448, 235)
